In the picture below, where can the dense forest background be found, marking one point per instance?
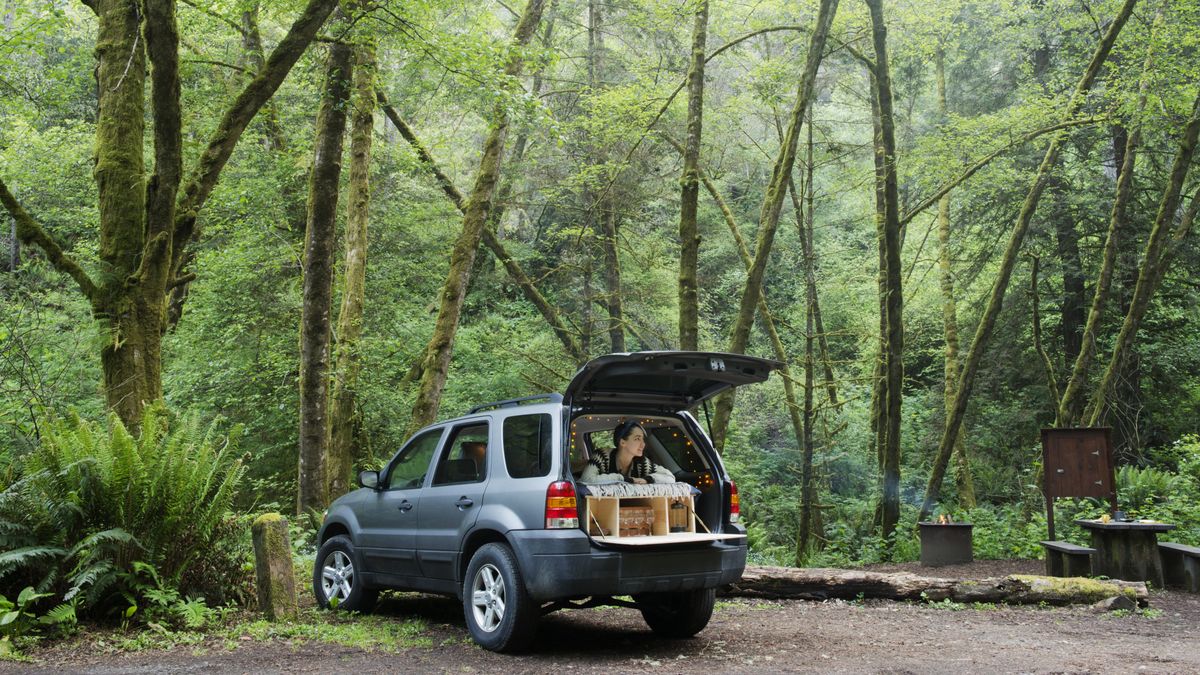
(944, 153)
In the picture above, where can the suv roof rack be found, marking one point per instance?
(508, 403)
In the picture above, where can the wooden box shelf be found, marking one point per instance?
(604, 515)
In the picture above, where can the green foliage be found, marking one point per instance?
(1140, 488)
(18, 617)
(99, 517)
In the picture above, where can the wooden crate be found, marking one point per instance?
(604, 514)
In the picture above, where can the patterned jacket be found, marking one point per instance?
(602, 466)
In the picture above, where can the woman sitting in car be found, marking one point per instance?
(627, 461)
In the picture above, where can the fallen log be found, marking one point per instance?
(1017, 589)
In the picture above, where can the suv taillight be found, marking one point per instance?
(735, 512)
(561, 511)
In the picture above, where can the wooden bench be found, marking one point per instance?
(1181, 565)
(1064, 559)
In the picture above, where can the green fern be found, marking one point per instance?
(29, 556)
(64, 613)
(92, 502)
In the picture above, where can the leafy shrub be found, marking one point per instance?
(93, 507)
(1140, 487)
(17, 618)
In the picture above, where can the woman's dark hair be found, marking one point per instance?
(624, 429)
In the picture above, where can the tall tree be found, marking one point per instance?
(144, 227)
(343, 418)
(996, 300)
(599, 205)
(809, 515)
(1153, 266)
(966, 487)
(315, 321)
(1071, 404)
(689, 234)
(436, 363)
(772, 204)
(888, 221)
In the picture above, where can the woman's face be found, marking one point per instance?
(634, 443)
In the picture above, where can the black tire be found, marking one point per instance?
(335, 576)
(499, 612)
(681, 614)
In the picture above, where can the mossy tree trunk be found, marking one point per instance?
(1035, 303)
(879, 382)
(146, 222)
(343, 418)
(256, 60)
(689, 234)
(609, 236)
(888, 221)
(490, 239)
(436, 362)
(1070, 406)
(771, 206)
(1154, 262)
(599, 201)
(789, 388)
(315, 321)
(966, 487)
(996, 300)
(130, 352)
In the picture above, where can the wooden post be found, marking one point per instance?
(273, 567)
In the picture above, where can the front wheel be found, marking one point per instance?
(681, 614)
(336, 582)
(500, 614)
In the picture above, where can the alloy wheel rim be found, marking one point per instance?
(337, 577)
(488, 600)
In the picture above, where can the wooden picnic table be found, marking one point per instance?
(1127, 549)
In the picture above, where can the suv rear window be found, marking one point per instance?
(527, 445)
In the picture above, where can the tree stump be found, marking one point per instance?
(273, 567)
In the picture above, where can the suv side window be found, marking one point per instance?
(527, 445)
(408, 469)
(465, 457)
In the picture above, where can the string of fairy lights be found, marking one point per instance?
(604, 424)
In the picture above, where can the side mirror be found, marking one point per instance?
(369, 479)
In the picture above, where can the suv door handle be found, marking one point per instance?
(405, 505)
(464, 503)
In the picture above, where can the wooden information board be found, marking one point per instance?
(1077, 462)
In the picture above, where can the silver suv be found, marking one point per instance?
(488, 507)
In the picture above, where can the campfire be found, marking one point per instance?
(945, 542)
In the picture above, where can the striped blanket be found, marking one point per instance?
(618, 489)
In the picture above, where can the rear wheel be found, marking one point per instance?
(336, 581)
(681, 614)
(500, 614)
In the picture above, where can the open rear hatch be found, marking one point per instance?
(664, 381)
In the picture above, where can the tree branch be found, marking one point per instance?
(30, 232)
(974, 168)
(213, 14)
(203, 178)
(514, 269)
(447, 185)
(222, 64)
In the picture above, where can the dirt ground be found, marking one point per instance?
(744, 636)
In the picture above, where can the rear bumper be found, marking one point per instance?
(560, 564)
